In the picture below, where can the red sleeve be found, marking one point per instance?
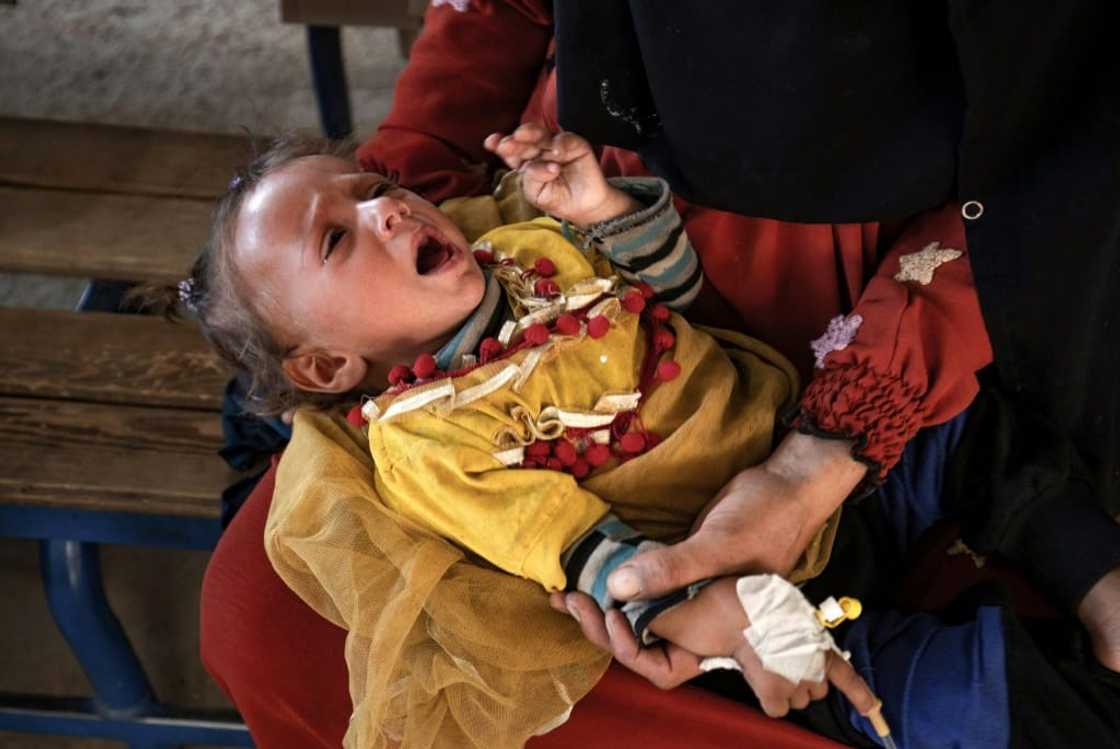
(470, 73)
(907, 355)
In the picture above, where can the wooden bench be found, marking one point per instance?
(109, 423)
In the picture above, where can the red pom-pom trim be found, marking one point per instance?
(538, 449)
(488, 349)
(668, 370)
(484, 257)
(545, 267)
(537, 333)
(565, 452)
(400, 374)
(598, 326)
(660, 312)
(634, 302)
(645, 289)
(580, 468)
(567, 324)
(354, 416)
(546, 287)
(597, 454)
(664, 339)
(424, 366)
(632, 442)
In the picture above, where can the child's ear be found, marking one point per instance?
(324, 372)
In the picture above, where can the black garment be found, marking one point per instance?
(841, 112)
(249, 442)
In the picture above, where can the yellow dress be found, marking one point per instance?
(443, 649)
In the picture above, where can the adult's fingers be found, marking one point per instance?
(659, 571)
(844, 677)
(800, 698)
(665, 665)
(584, 610)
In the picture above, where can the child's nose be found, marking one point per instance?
(384, 215)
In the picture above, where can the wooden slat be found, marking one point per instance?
(100, 236)
(403, 14)
(113, 458)
(107, 358)
(107, 158)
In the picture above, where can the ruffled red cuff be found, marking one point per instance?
(878, 411)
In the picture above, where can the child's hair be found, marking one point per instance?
(215, 293)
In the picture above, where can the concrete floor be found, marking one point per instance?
(206, 65)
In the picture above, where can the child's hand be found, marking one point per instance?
(712, 623)
(560, 175)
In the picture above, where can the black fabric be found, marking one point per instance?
(840, 112)
(787, 110)
(1023, 492)
(249, 442)
(1060, 695)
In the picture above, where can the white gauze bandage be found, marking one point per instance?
(784, 632)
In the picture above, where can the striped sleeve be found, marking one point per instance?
(650, 244)
(591, 559)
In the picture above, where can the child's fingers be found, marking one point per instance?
(800, 699)
(532, 133)
(844, 677)
(490, 143)
(818, 690)
(540, 171)
(568, 146)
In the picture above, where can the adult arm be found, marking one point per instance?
(471, 72)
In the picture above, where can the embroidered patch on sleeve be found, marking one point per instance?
(919, 266)
(841, 331)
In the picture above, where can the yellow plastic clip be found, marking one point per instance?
(832, 613)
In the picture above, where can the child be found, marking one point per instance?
(541, 405)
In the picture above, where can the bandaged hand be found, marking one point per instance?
(560, 175)
(713, 623)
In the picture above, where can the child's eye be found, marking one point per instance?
(381, 188)
(333, 238)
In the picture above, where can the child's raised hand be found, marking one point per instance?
(560, 175)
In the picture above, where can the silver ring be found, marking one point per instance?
(972, 210)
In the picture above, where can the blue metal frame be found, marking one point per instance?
(123, 707)
(328, 75)
(64, 716)
(30, 521)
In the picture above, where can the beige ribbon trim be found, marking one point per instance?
(512, 457)
(614, 403)
(418, 400)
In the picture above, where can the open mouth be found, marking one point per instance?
(433, 253)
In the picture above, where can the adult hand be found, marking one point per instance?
(760, 522)
(664, 664)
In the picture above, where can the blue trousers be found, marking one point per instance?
(943, 682)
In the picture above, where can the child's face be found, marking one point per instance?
(349, 266)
